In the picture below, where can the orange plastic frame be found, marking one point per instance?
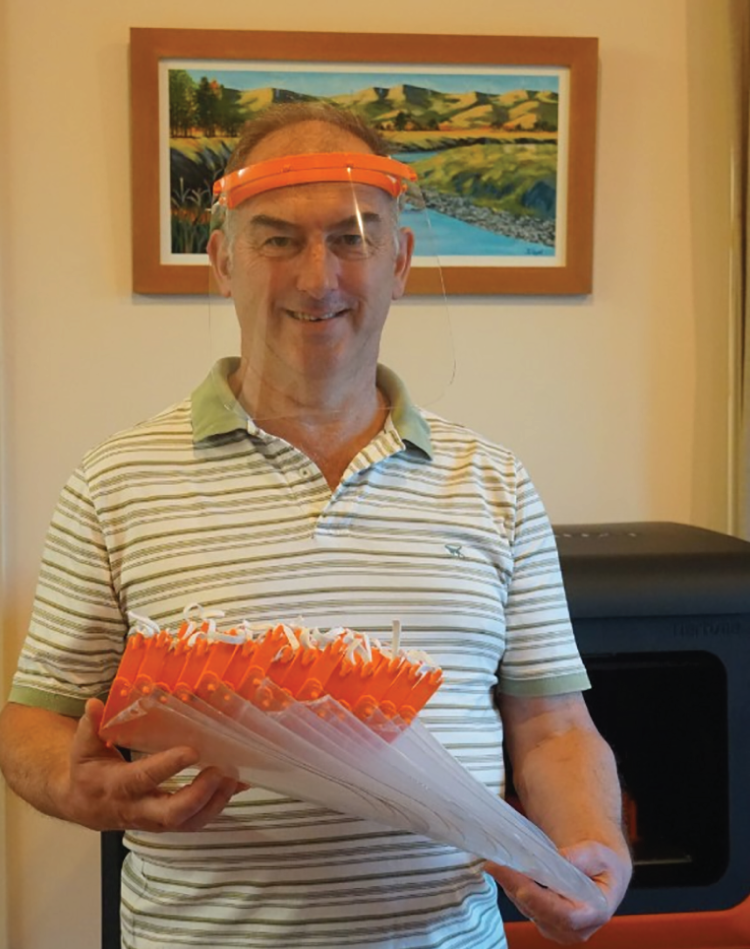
(385, 173)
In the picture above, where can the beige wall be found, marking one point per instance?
(618, 402)
(5, 637)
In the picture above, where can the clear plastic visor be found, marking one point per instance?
(310, 263)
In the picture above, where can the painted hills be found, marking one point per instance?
(208, 109)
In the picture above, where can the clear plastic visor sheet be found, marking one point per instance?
(310, 262)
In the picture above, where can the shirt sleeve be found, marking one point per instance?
(77, 631)
(541, 655)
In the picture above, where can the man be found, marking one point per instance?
(301, 479)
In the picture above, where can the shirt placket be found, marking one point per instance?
(359, 478)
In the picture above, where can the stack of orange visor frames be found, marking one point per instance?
(330, 718)
(303, 664)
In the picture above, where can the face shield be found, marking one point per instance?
(311, 255)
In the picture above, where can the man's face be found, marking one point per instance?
(312, 268)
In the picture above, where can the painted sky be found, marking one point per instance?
(327, 83)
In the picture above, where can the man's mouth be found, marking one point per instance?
(314, 317)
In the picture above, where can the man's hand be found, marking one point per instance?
(104, 792)
(556, 917)
(61, 767)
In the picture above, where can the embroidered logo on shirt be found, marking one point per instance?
(455, 550)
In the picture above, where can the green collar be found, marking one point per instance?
(215, 411)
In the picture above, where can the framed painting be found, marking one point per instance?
(501, 131)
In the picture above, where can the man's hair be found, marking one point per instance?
(285, 114)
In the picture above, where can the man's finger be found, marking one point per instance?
(505, 876)
(591, 858)
(147, 774)
(547, 908)
(178, 810)
(516, 885)
(224, 792)
(86, 741)
(95, 712)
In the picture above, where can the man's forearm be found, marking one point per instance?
(569, 786)
(566, 777)
(35, 755)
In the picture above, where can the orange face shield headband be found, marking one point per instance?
(387, 174)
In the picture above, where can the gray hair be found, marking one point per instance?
(282, 115)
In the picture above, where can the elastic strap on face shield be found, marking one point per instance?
(387, 174)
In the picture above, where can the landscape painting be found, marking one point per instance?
(501, 131)
(489, 147)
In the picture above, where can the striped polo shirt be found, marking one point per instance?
(431, 524)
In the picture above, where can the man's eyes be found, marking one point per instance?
(278, 240)
(275, 245)
(344, 244)
(353, 238)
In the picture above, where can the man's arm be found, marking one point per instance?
(62, 767)
(566, 778)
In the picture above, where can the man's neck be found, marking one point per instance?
(331, 426)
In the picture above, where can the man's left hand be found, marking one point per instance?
(556, 917)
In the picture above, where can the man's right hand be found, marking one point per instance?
(106, 792)
(64, 769)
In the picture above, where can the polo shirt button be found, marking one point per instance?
(305, 472)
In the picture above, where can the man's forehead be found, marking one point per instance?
(321, 202)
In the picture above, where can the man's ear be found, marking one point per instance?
(221, 262)
(402, 264)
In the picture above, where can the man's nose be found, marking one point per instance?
(318, 271)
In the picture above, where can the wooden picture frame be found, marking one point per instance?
(566, 269)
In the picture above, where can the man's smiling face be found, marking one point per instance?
(312, 268)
